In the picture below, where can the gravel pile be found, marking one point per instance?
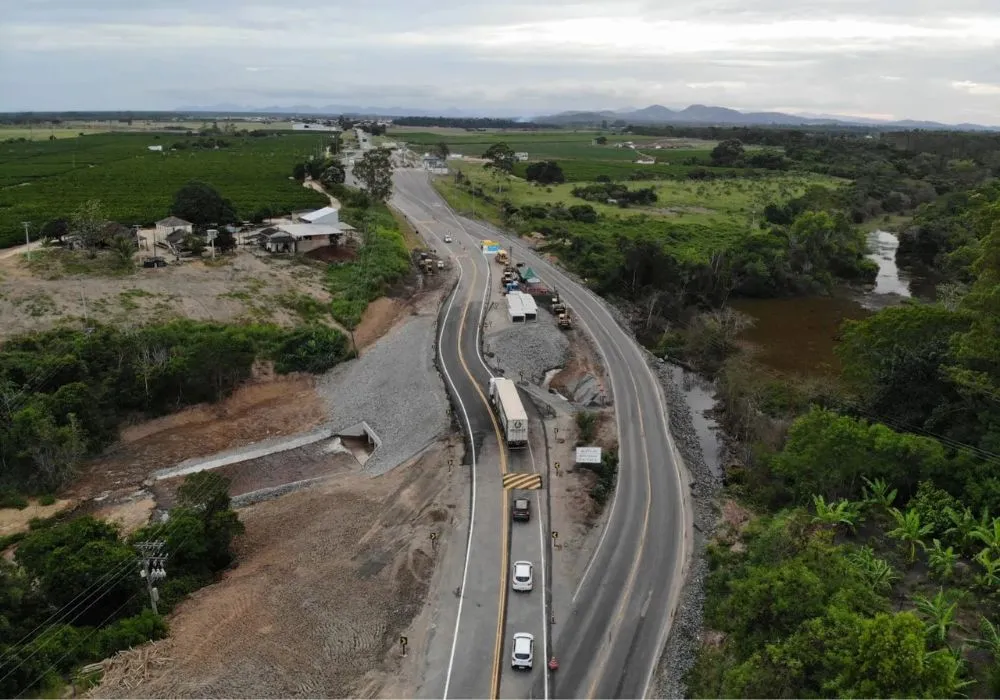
(394, 387)
(527, 351)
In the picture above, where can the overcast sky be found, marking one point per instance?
(922, 59)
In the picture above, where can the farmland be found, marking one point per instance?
(42, 180)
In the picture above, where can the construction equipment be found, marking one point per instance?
(502, 257)
(564, 321)
(558, 308)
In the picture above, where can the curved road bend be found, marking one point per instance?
(521, 612)
(622, 609)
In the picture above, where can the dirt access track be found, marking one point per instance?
(328, 580)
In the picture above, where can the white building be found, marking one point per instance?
(521, 156)
(164, 227)
(326, 215)
(155, 148)
(301, 238)
(645, 160)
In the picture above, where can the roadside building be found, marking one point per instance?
(326, 215)
(301, 238)
(521, 156)
(311, 126)
(645, 160)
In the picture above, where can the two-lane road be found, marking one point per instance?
(487, 613)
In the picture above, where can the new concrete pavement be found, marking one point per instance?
(476, 663)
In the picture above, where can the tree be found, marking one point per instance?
(124, 248)
(601, 140)
(333, 174)
(546, 172)
(989, 640)
(71, 557)
(88, 221)
(441, 150)
(843, 512)
(55, 229)
(501, 158)
(202, 205)
(299, 171)
(728, 153)
(375, 171)
(909, 530)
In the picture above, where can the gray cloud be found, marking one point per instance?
(923, 59)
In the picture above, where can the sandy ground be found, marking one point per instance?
(270, 407)
(248, 286)
(14, 520)
(328, 580)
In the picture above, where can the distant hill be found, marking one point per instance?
(724, 116)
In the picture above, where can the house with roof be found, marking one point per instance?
(645, 160)
(301, 238)
(326, 215)
(165, 227)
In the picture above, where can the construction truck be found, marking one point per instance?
(502, 257)
(563, 320)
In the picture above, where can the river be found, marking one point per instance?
(799, 334)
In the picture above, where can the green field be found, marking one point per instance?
(42, 180)
(692, 218)
(74, 128)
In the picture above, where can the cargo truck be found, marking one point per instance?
(507, 403)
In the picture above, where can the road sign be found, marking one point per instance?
(528, 482)
(588, 455)
(491, 247)
(211, 234)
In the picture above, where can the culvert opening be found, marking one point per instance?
(358, 440)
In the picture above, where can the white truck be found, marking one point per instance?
(513, 418)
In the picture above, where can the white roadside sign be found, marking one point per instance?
(588, 455)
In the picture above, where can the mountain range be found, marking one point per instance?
(654, 114)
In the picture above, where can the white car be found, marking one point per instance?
(523, 578)
(524, 651)
(447, 239)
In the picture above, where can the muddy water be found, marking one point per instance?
(798, 335)
(699, 395)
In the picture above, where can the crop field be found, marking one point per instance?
(43, 180)
(695, 218)
(67, 129)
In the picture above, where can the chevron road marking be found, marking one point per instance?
(516, 480)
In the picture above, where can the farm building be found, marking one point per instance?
(645, 160)
(164, 227)
(326, 215)
(155, 148)
(301, 238)
(521, 156)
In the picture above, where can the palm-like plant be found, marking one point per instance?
(878, 493)
(909, 530)
(942, 560)
(964, 525)
(989, 535)
(990, 576)
(939, 615)
(876, 572)
(842, 512)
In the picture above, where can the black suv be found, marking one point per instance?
(521, 510)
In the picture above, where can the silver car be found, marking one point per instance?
(524, 651)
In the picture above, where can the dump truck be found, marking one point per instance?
(564, 321)
(513, 418)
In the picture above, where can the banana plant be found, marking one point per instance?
(990, 576)
(942, 560)
(876, 572)
(964, 525)
(909, 530)
(939, 615)
(878, 493)
(842, 512)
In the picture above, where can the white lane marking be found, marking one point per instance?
(541, 550)
(472, 513)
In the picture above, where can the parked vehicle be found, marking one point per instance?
(521, 509)
(523, 654)
(447, 239)
(513, 418)
(522, 578)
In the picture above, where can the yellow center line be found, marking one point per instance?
(498, 644)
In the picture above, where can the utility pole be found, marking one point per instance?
(151, 563)
(27, 241)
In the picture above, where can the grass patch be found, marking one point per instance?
(56, 263)
(308, 308)
(127, 298)
(894, 223)
(409, 235)
(37, 304)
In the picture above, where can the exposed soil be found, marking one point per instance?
(380, 316)
(581, 361)
(249, 285)
(270, 407)
(328, 581)
(131, 515)
(13, 520)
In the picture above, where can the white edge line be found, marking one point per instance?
(472, 513)
(545, 610)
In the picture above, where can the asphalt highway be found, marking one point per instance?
(487, 612)
(622, 609)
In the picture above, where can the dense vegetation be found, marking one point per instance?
(45, 180)
(874, 566)
(72, 593)
(65, 392)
